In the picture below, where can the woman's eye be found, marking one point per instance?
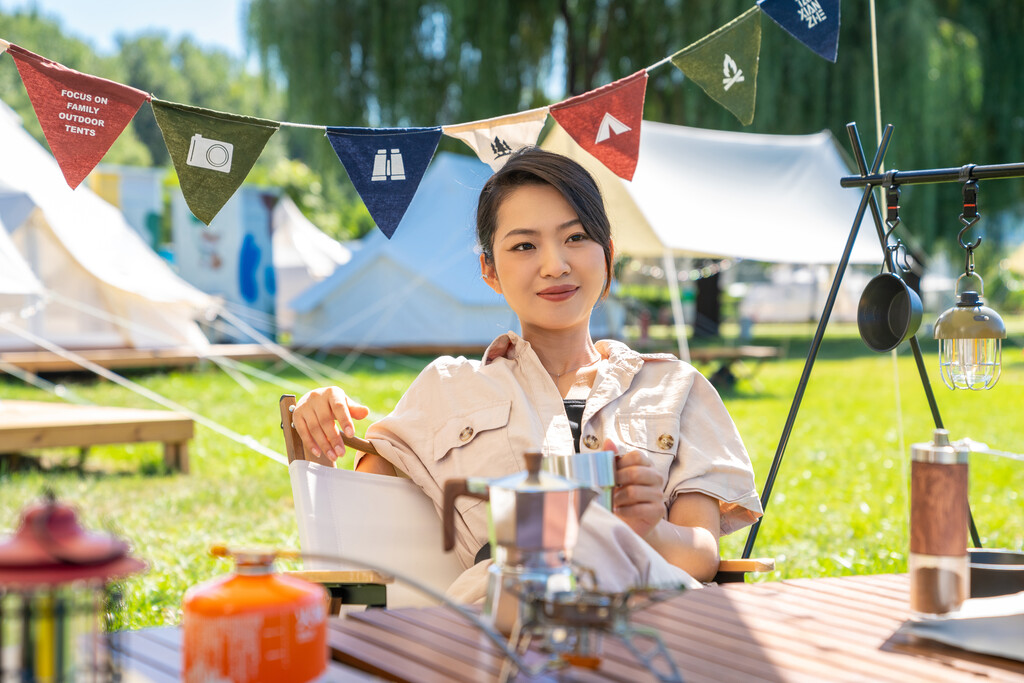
(578, 237)
(522, 246)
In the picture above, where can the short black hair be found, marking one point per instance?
(536, 166)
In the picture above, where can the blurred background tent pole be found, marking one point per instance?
(878, 136)
(669, 261)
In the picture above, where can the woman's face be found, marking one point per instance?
(547, 268)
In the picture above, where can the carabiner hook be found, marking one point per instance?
(892, 203)
(970, 215)
(968, 223)
(893, 255)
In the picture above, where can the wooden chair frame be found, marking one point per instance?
(345, 587)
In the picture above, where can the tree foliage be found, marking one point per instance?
(47, 37)
(947, 72)
(946, 69)
(184, 72)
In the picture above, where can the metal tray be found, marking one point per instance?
(996, 572)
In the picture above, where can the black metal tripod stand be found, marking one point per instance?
(870, 178)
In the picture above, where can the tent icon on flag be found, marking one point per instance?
(610, 125)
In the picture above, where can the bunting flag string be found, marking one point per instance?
(212, 152)
(386, 166)
(495, 139)
(606, 122)
(81, 115)
(815, 23)
(724, 64)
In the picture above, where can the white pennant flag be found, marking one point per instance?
(495, 139)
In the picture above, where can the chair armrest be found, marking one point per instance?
(753, 564)
(339, 576)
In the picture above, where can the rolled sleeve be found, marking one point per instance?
(712, 460)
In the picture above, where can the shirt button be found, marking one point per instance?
(666, 441)
(590, 441)
(466, 434)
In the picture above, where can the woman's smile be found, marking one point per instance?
(558, 292)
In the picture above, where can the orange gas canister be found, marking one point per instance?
(255, 625)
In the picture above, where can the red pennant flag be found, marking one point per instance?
(606, 122)
(81, 115)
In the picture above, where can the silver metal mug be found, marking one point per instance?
(595, 470)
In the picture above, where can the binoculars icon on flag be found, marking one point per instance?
(388, 165)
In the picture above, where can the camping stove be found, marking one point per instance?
(571, 625)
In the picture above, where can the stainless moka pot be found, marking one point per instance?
(533, 525)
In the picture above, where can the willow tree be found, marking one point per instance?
(946, 69)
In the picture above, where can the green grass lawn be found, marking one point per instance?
(839, 505)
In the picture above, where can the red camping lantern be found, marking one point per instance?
(55, 594)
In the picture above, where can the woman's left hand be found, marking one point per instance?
(639, 497)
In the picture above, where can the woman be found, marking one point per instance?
(683, 476)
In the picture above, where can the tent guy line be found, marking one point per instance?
(226, 364)
(244, 440)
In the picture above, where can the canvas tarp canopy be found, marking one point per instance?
(718, 194)
(302, 255)
(422, 288)
(697, 192)
(84, 252)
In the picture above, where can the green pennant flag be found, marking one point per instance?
(212, 152)
(724, 63)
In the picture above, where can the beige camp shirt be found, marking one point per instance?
(465, 418)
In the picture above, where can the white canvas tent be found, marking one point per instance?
(302, 255)
(16, 278)
(699, 192)
(19, 288)
(422, 288)
(84, 253)
(708, 193)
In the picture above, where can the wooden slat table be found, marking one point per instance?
(154, 656)
(26, 425)
(114, 359)
(834, 629)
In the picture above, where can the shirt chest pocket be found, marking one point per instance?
(475, 443)
(656, 435)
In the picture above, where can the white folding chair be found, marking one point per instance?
(385, 521)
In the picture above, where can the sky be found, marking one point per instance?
(212, 23)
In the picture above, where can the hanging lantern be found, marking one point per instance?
(970, 333)
(55, 598)
(970, 338)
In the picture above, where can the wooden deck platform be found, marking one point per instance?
(43, 361)
(734, 363)
(27, 425)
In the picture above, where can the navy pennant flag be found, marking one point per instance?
(815, 23)
(386, 166)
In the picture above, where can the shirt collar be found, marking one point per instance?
(507, 345)
(510, 345)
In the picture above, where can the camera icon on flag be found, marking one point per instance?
(214, 155)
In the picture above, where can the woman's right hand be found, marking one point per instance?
(321, 415)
